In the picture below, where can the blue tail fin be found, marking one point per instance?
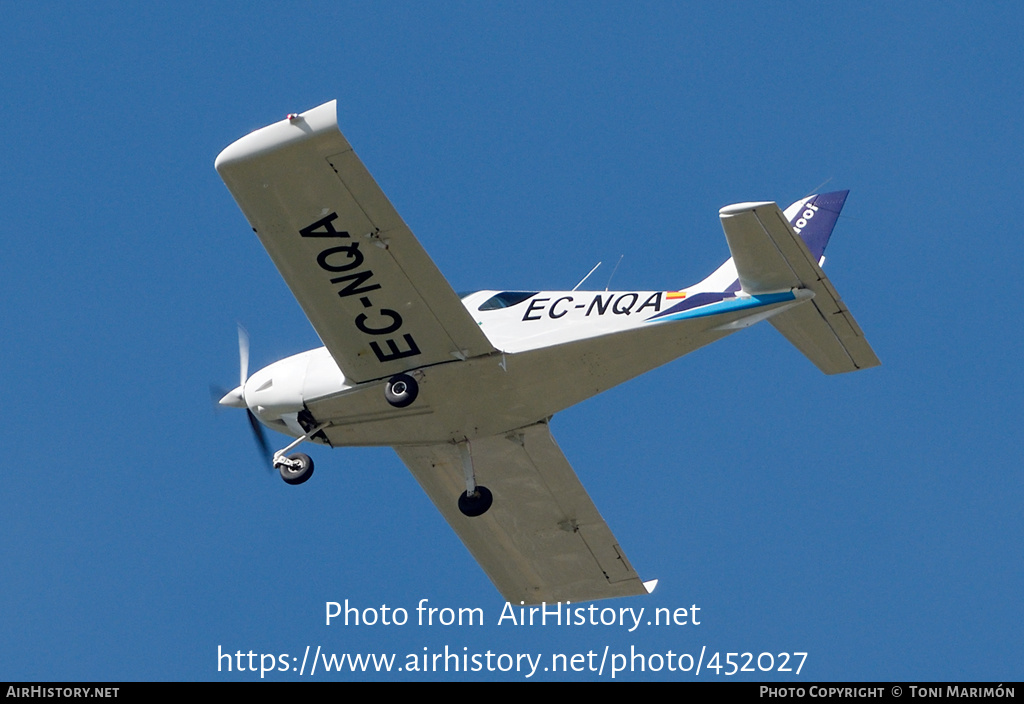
(814, 217)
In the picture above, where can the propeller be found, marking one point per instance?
(261, 440)
(236, 397)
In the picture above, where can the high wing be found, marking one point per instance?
(543, 539)
(371, 292)
(771, 257)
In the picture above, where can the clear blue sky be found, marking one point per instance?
(871, 520)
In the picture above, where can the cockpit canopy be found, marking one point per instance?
(506, 299)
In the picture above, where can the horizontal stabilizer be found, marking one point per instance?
(768, 255)
(771, 257)
(825, 331)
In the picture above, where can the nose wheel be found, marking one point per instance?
(294, 469)
(297, 468)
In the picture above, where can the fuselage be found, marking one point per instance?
(556, 348)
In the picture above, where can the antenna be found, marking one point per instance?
(586, 277)
(817, 189)
(614, 270)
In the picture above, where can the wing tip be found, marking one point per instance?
(737, 208)
(650, 585)
(295, 127)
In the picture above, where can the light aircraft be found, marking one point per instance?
(463, 387)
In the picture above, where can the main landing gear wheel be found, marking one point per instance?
(298, 470)
(401, 390)
(478, 503)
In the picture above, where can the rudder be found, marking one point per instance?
(814, 218)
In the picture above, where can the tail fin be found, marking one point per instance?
(775, 252)
(814, 217)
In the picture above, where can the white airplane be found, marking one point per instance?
(464, 388)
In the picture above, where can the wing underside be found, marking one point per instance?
(370, 290)
(543, 539)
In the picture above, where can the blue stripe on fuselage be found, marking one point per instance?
(728, 305)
